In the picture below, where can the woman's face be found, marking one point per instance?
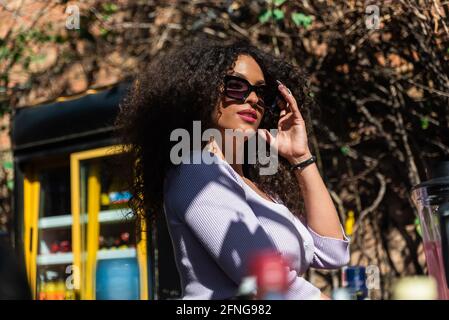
(247, 115)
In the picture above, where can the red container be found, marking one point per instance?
(271, 272)
(431, 199)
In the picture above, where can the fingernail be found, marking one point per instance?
(289, 91)
(280, 83)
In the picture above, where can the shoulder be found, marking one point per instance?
(195, 173)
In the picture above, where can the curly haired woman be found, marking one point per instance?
(220, 214)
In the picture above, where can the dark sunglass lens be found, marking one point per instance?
(236, 89)
(267, 96)
(237, 84)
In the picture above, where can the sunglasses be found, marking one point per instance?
(239, 89)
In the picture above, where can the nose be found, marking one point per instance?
(252, 99)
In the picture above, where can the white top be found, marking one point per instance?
(216, 221)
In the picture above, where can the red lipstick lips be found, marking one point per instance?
(249, 115)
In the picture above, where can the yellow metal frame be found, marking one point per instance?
(86, 289)
(31, 215)
(142, 261)
(93, 228)
(31, 194)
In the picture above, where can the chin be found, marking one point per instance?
(248, 128)
(238, 124)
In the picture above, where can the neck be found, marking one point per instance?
(230, 156)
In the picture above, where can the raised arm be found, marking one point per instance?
(332, 246)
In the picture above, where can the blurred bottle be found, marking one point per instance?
(349, 223)
(341, 291)
(65, 246)
(271, 271)
(42, 290)
(59, 289)
(416, 288)
(109, 242)
(117, 242)
(124, 239)
(69, 294)
(101, 242)
(119, 197)
(355, 282)
(54, 247)
(51, 290)
(104, 199)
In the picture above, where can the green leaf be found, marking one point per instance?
(10, 184)
(344, 150)
(278, 14)
(21, 37)
(278, 3)
(265, 16)
(424, 123)
(4, 77)
(110, 7)
(418, 227)
(301, 19)
(7, 165)
(37, 35)
(4, 52)
(104, 32)
(57, 38)
(26, 63)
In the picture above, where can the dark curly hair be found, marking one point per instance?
(182, 86)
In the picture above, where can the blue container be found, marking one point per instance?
(117, 279)
(356, 281)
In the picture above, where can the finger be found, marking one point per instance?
(287, 94)
(283, 116)
(291, 101)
